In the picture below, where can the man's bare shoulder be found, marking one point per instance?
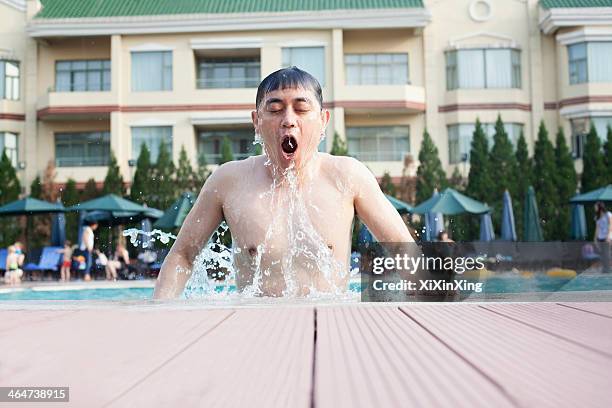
(236, 170)
(344, 166)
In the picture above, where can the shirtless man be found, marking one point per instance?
(289, 209)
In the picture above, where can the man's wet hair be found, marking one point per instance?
(292, 77)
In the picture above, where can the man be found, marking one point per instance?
(290, 210)
(87, 246)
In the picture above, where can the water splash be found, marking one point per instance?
(304, 268)
(156, 234)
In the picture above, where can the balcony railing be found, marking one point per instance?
(214, 158)
(208, 83)
(81, 161)
(379, 156)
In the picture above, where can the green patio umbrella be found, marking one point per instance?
(111, 218)
(175, 215)
(532, 230)
(400, 206)
(601, 194)
(29, 206)
(451, 202)
(109, 202)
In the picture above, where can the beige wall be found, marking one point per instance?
(454, 24)
(46, 148)
(13, 47)
(508, 26)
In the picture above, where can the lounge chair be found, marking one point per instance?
(50, 260)
(3, 255)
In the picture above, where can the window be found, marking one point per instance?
(460, 138)
(152, 71)
(8, 143)
(381, 143)
(577, 63)
(376, 69)
(309, 59)
(152, 137)
(82, 149)
(210, 142)
(9, 80)
(601, 126)
(582, 126)
(78, 76)
(229, 72)
(590, 62)
(483, 68)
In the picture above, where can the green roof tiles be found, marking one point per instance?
(116, 8)
(548, 4)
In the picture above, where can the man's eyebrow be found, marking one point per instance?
(302, 99)
(273, 100)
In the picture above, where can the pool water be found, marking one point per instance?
(501, 284)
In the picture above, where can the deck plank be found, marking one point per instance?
(260, 357)
(97, 352)
(10, 320)
(601, 308)
(586, 329)
(535, 367)
(376, 356)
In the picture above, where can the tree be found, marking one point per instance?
(524, 170)
(503, 171)
(142, 185)
(544, 175)
(339, 146)
(185, 176)
(456, 180)
(36, 188)
(594, 169)
(165, 188)
(48, 192)
(70, 197)
(202, 172)
(566, 182)
(90, 191)
(386, 185)
(480, 182)
(113, 182)
(226, 151)
(608, 154)
(430, 174)
(10, 188)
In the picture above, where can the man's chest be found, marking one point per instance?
(264, 215)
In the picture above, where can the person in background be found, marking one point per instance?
(20, 254)
(66, 261)
(87, 246)
(13, 273)
(443, 237)
(120, 260)
(603, 234)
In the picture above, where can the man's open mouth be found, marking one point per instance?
(289, 145)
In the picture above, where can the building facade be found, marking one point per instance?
(80, 80)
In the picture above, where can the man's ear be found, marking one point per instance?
(325, 115)
(254, 119)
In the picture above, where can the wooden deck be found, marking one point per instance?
(402, 355)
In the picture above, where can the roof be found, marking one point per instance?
(548, 4)
(114, 8)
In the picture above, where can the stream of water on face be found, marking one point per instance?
(308, 267)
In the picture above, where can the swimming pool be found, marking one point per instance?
(497, 284)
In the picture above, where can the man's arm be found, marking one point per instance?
(373, 208)
(200, 223)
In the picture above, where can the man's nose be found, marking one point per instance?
(289, 119)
